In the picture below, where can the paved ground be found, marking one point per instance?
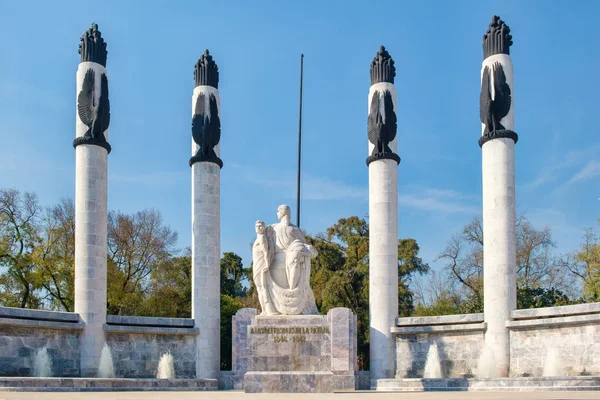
(230, 395)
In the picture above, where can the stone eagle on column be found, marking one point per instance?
(493, 110)
(381, 128)
(206, 129)
(94, 114)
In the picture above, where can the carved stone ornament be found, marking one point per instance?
(382, 67)
(491, 111)
(497, 38)
(93, 47)
(206, 129)
(206, 71)
(281, 267)
(95, 115)
(382, 127)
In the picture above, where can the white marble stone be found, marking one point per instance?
(383, 265)
(499, 232)
(281, 267)
(383, 253)
(206, 254)
(90, 236)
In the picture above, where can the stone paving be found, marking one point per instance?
(230, 395)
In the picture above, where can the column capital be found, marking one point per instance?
(206, 71)
(497, 39)
(92, 46)
(382, 67)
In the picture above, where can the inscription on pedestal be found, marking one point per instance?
(304, 353)
(282, 334)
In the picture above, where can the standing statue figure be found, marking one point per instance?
(281, 267)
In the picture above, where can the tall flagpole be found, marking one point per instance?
(299, 142)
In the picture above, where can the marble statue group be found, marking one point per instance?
(281, 267)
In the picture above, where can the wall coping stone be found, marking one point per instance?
(440, 320)
(38, 315)
(555, 322)
(41, 324)
(560, 311)
(411, 330)
(150, 321)
(150, 330)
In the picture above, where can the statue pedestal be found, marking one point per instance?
(301, 353)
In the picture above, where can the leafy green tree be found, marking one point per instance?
(229, 306)
(137, 243)
(586, 265)
(54, 256)
(232, 274)
(19, 236)
(340, 274)
(541, 297)
(170, 290)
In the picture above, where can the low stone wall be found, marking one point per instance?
(137, 343)
(564, 340)
(459, 339)
(23, 332)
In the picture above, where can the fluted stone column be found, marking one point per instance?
(383, 215)
(91, 151)
(206, 216)
(498, 172)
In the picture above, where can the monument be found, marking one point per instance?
(383, 215)
(91, 163)
(206, 216)
(289, 346)
(281, 268)
(497, 144)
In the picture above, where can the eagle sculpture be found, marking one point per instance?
(382, 128)
(95, 115)
(491, 111)
(206, 129)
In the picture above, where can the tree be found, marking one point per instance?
(19, 224)
(170, 290)
(539, 273)
(137, 243)
(585, 264)
(408, 264)
(340, 274)
(232, 273)
(55, 255)
(229, 306)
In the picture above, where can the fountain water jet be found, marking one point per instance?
(433, 367)
(552, 361)
(166, 367)
(106, 368)
(486, 365)
(42, 364)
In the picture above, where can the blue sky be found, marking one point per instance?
(152, 48)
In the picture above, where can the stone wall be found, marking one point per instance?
(24, 332)
(137, 343)
(459, 340)
(564, 340)
(553, 341)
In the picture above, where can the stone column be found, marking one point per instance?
(206, 216)
(498, 172)
(383, 215)
(91, 151)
